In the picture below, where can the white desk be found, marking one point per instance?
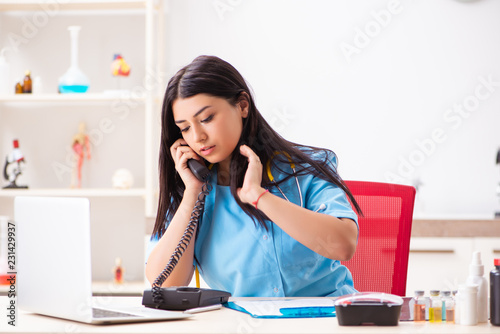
(221, 321)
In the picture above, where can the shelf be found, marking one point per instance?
(154, 14)
(68, 98)
(21, 5)
(90, 192)
(101, 288)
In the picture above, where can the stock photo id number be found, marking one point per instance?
(8, 269)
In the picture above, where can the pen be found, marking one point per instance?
(203, 309)
(308, 311)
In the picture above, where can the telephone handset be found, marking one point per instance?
(183, 298)
(198, 169)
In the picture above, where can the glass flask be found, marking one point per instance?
(74, 80)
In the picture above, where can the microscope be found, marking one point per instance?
(13, 167)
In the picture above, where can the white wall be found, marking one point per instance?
(374, 80)
(375, 109)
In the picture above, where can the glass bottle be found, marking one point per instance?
(435, 311)
(19, 88)
(27, 83)
(74, 80)
(448, 307)
(419, 306)
(118, 271)
(495, 294)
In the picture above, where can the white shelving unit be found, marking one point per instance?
(154, 26)
(23, 5)
(84, 192)
(67, 98)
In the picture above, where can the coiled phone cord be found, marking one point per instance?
(182, 245)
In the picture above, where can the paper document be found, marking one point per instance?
(287, 308)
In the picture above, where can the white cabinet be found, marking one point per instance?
(443, 263)
(438, 263)
(123, 127)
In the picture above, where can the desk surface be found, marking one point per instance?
(220, 321)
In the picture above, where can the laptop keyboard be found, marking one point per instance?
(101, 313)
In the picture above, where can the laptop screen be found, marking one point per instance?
(54, 257)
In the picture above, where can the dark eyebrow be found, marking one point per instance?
(197, 113)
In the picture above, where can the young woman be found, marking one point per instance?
(277, 220)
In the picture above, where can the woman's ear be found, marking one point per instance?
(244, 104)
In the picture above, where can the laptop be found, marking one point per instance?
(54, 268)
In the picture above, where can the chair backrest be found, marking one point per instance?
(381, 260)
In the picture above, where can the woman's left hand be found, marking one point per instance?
(251, 188)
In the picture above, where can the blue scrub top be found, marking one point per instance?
(239, 256)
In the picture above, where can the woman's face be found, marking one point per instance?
(210, 125)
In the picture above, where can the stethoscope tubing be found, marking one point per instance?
(298, 189)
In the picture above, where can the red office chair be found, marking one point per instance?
(381, 260)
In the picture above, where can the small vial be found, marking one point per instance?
(420, 306)
(118, 271)
(27, 83)
(19, 88)
(448, 307)
(435, 311)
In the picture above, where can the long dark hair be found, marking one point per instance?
(214, 76)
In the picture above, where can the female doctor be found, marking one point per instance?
(276, 221)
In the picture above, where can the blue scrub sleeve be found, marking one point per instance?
(334, 199)
(321, 193)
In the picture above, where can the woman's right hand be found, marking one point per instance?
(181, 153)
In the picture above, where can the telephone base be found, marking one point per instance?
(182, 298)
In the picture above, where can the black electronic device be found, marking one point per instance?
(184, 298)
(369, 308)
(198, 169)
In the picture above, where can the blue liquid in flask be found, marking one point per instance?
(73, 88)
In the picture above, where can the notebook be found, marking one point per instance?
(54, 268)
